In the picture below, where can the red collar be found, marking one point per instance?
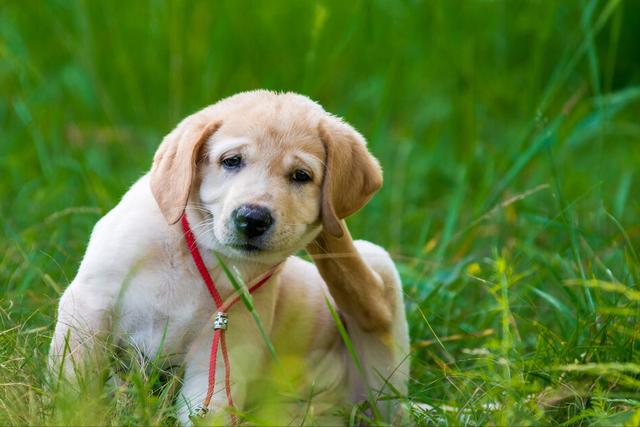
(221, 319)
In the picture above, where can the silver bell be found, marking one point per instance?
(221, 321)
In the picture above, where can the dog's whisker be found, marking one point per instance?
(205, 225)
(199, 208)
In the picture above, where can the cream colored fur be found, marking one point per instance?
(138, 285)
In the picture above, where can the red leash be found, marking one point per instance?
(221, 321)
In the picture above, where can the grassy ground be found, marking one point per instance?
(509, 133)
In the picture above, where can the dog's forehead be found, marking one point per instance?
(274, 136)
(276, 123)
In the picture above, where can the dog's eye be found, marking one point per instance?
(301, 176)
(232, 162)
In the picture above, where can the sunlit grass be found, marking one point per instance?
(508, 133)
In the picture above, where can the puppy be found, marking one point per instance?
(258, 176)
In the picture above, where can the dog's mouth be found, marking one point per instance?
(246, 247)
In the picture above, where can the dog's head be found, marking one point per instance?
(267, 171)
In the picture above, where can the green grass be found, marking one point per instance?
(509, 134)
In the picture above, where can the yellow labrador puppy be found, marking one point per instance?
(259, 176)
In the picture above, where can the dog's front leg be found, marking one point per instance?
(247, 352)
(84, 318)
(192, 404)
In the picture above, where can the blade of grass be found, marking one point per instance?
(452, 215)
(566, 215)
(354, 356)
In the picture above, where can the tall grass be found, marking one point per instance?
(508, 132)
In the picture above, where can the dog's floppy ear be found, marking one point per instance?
(174, 165)
(351, 176)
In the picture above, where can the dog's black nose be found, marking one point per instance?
(252, 220)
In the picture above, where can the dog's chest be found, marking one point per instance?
(162, 312)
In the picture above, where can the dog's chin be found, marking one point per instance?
(247, 248)
(264, 254)
(267, 252)
(253, 253)
(242, 250)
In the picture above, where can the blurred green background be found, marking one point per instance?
(509, 133)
